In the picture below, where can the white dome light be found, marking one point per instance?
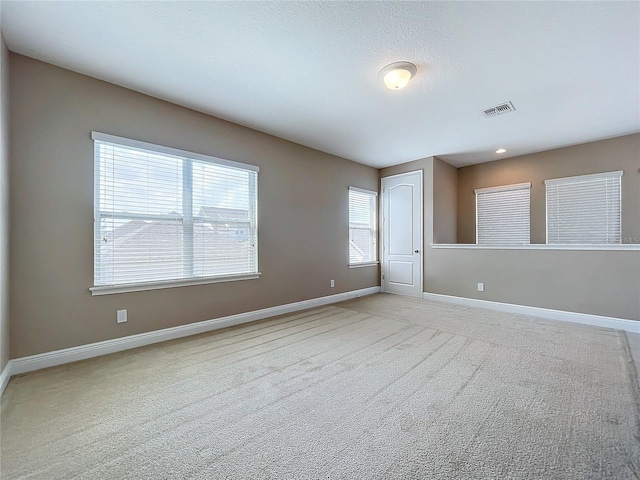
(397, 75)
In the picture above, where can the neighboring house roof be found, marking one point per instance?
(224, 248)
(221, 213)
(123, 231)
(136, 241)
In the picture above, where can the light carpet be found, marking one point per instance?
(375, 388)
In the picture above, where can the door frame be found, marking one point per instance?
(382, 221)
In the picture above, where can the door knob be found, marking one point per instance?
(417, 251)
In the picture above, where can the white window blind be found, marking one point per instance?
(362, 226)
(584, 209)
(502, 215)
(164, 215)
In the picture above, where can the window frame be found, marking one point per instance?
(576, 179)
(499, 189)
(373, 227)
(185, 219)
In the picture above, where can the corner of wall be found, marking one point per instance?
(4, 203)
(445, 202)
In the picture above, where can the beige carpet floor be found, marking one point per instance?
(375, 388)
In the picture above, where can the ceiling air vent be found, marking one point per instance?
(499, 110)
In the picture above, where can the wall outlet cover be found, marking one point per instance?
(121, 316)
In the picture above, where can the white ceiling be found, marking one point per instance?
(308, 71)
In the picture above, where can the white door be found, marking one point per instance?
(402, 234)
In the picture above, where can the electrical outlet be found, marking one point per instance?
(333, 284)
(481, 287)
(121, 316)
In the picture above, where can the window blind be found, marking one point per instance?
(584, 209)
(502, 215)
(362, 226)
(164, 215)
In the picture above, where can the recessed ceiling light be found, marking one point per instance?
(501, 150)
(396, 75)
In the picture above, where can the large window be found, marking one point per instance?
(363, 234)
(584, 209)
(165, 216)
(502, 215)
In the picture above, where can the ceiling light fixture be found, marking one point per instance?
(501, 150)
(396, 75)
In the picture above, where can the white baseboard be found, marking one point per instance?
(585, 318)
(5, 376)
(82, 352)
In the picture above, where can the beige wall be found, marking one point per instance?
(621, 153)
(445, 202)
(594, 282)
(425, 165)
(4, 204)
(303, 212)
(303, 215)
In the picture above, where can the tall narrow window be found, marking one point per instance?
(363, 234)
(164, 216)
(584, 209)
(502, 215)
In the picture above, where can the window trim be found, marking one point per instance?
(580, 179)
(127, 142)
(179, 282)
(140, 287)
(366, 263)
(503, 188)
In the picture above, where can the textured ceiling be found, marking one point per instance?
(308, 71)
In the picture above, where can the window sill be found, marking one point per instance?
(364, 264)
(538, 246)
(140, 287)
